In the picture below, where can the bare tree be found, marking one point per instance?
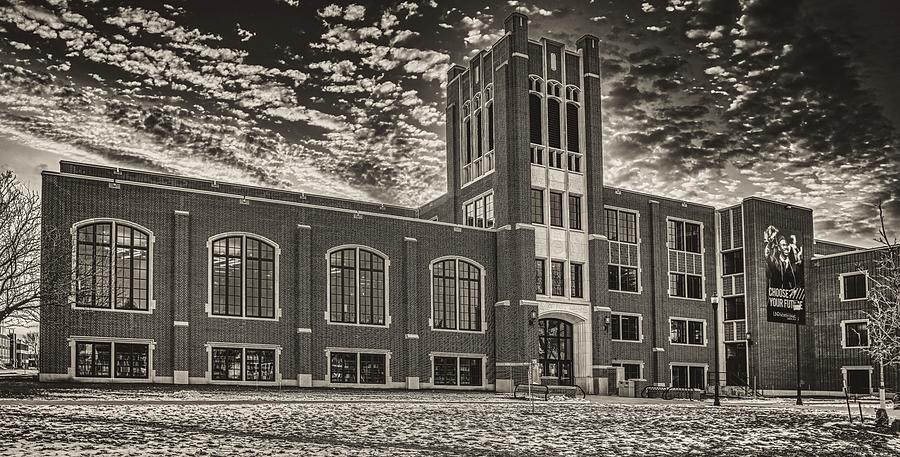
(20, 251)
(884, 308)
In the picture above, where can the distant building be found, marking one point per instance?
(5, 349)
(528, 257)
(22, 354)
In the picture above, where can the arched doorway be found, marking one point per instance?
(555, 340)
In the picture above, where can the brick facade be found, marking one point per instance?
(508, 164)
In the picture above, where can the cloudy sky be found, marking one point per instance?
(705, 100)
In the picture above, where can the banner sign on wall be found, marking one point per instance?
(786, 296)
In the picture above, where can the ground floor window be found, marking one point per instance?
(858, 380)
(243, 364)
(688, 376)
(111, 359)
(458, 371)
(358, 368)
(632, 369)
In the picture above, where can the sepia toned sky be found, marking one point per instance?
(704, 100)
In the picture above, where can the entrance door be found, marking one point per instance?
(736, 364)
(858, 381)
(556, 350)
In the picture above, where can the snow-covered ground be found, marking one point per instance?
(139, 421)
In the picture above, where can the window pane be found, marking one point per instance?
(94, 265)
(537, 206)
(539, 277)
(132, 360)
(734, 308)
(733, 262)
(260, 364)
(553, 123)
(616, 324)
(490, 127)
(469, 296)
(857, 334)
(557, 275)
(534, 118)
(445, 371)
(343, 285)
(572, 137)
(855, 287)
(577, 280)
(612, 225)
(489, 210)
(372, 368)
(556, 211)
(92, 359)
(628, 227)
(371, 288)
(614, 278)
(695, 332)
(469, 372)
(630, 328)
(694, 286)
(343, 367)
(632, 370)
(574, 212)
(691, 237)
(680, 376)
(444, 284)
(226, 364)
(697, 377)
(678, 332)
(629, 279)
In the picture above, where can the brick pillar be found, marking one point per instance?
(181, 306)
(303, 307)
(598, 253)
(659, 284)
(411, 299)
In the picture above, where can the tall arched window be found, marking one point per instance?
(244, 276)
(357, 279)
(573, 136)
(113, 266)
(553, 123)
(456, 295)
(534, 118)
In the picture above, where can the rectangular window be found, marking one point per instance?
(625, 327)
(612, 225)
(685, 331)
(490, 126)
(685, 285)
(556, 210)
(853, 286)
(458, 371)
(539, 275)
(480, 212)
(260, 364)
(735, 309)
(93, 359)
(684, 236)
(537, 206)
(227, 364)
(489, 210)
(624, 279)
(343, 367)
(372, 368)
(577, 277)
(445, 371)
(733, 262)
(685, 376)
(632, 370)
(557, 274)
(572, 134)
(574, 212)
(470, 214)
(132, 360)
(856, 334)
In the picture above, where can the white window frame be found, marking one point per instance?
(209, 276)
(702, 255)
(73, 358)
(458, 355)
(640, 363)
(472, 201)
(689, 365)
(640, 327)
(687, 327)
(637, 234)
(483, 316)
(846, 368)
(853, 273)
(243, 347)
(388, 380)
(387, 286)
(844, 333)
(151, 240)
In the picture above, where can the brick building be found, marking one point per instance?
(527, 257)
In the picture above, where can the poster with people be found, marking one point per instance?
(784, 277)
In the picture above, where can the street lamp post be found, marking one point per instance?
(797, 338)
(715, 305)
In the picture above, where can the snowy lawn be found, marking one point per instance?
(113, 421)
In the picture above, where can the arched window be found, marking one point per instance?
(113, 266)
(572, 131)
(244, 276)
(457, 295)
(535, 83)
(553, 123)
(534, 118)
(357, 279)
(554, 88)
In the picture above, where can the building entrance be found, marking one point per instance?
(736, 364)
(556, 350)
